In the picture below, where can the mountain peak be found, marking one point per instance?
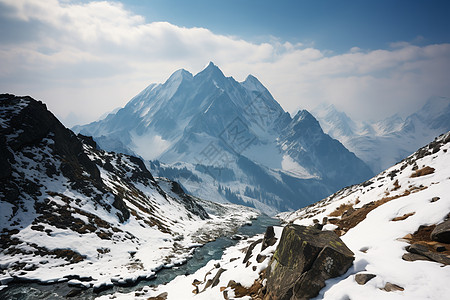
(305, 120)
(211, 70)
(180, 75)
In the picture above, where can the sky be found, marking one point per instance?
(371, 59)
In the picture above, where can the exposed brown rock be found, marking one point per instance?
(404, 217)
(362, 279)
(422, 172)
(304, 259)
(390, 287)
(162, 296)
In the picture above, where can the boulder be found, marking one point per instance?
(162, 296)
(414, 257)
(423, 250)
(363, 278)
(304, 259)
(442, 232)
(390, 287)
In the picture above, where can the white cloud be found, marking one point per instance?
(89, 58)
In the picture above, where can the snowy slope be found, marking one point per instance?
(376, 220)
(212, 121)
(406, 202)
(383, 143)
(71, 211)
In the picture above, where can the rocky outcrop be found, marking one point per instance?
(442, 232)
(304, 259)
(429, 243)
(425, 250)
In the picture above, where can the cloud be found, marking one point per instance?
(87, 58)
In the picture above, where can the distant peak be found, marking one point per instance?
(303, 114)
(180, 74)
(305, 119)
(211, 66)
(250, 77)
(211, 70)
(253, 84)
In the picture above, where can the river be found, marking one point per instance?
(209, 251)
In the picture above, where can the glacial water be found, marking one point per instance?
(209, 251)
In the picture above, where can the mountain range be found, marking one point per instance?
(225, 140)
(383, 143)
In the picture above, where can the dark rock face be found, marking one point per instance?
(423, 250)
(31, 125)
(442, 232)
(304, 259)
(250, 250)
(27, 125)
(269, 238)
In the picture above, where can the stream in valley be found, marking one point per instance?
(210, 251)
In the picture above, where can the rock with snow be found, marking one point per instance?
(304, 259)
(424, 250)
(442, 232)
(363, 278)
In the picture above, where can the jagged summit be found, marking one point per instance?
(210, 70)
(213, 120)
(178, 75)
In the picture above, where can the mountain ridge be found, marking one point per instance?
(383, 143)
(212, 120)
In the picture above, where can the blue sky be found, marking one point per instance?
(370, 59)
(334, 25)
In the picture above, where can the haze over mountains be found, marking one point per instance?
(383, 143)
(229, 141)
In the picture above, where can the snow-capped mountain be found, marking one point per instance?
(390, 223)
(231, 140)
(69, 211)
(381, 144)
